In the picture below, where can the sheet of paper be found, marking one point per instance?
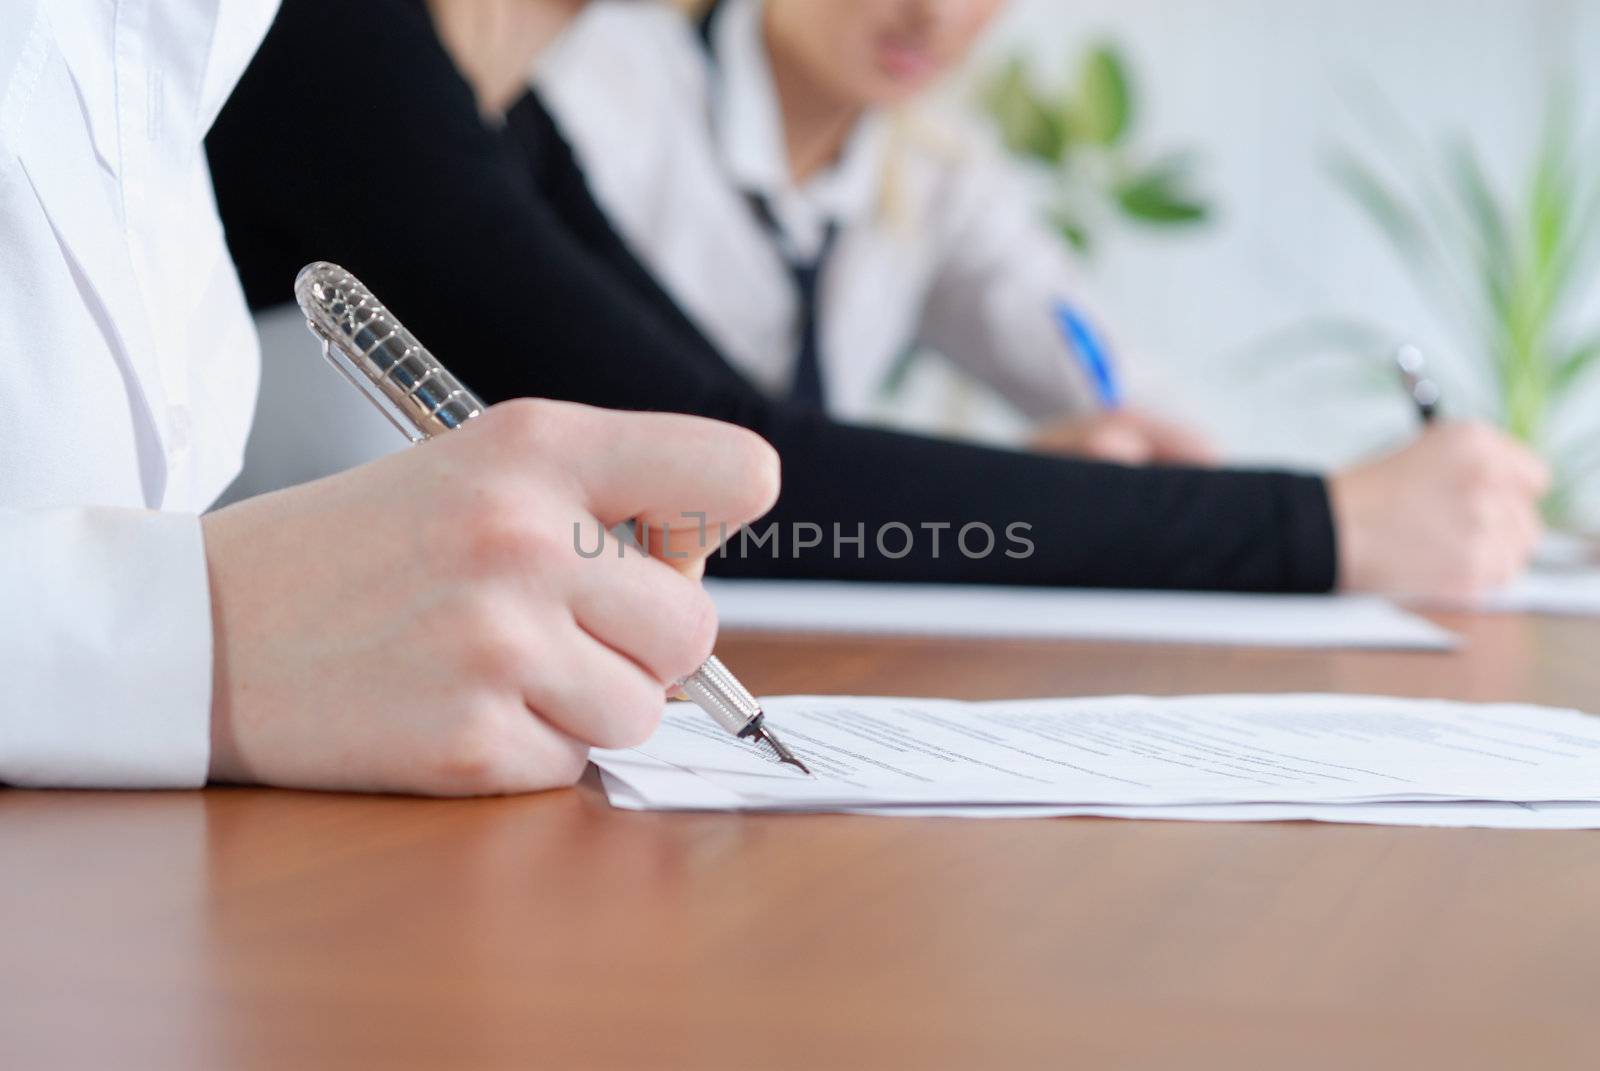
(1564, 581)
(673, 788)
(1134, 750)
(1051, 613)
(1566, 592)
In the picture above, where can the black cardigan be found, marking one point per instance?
(353, 138)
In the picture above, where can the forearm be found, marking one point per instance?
(874, 495)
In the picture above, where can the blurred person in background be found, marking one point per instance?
(754, 160)
(425, 164)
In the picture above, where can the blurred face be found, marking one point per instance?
(871, 53)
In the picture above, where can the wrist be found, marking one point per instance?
(223, 765)
(1346, 502)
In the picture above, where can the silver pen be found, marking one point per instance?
(384, 361)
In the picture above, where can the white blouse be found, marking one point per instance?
(940, 246)
(127, 377)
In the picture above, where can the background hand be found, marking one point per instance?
(1454, 514)
(1127, 437)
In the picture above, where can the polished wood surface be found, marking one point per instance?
(257, 929)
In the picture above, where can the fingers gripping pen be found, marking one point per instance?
(384, 361)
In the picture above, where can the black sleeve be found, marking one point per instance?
(352, 138)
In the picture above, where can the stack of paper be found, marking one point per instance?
(1213, 758)
(1059, 613)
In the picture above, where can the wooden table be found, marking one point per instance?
(258, 929)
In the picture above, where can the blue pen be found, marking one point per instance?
(1091, 352)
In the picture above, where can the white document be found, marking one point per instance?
(1564, 581)
(673, 788)
(1569, 593)
(1057, 613)
(1130, 751)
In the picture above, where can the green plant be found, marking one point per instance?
(1082, 134)
(1508, 272)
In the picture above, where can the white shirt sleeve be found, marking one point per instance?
(1001, 273)
(105, 644)
(122, 415)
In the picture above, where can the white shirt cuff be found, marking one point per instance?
(105, 645)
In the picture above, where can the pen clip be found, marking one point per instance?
(340, 360)
(376, 353)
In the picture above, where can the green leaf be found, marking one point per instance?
(1550, 193)
(1496, 252)
(1563, 198)
(1395, 219)
(1159, 195)
(1404, 222)
(1153, 205)
(1071, 228)
(1028, 126)
(1516, 270)
(1549, 208)
(1103, 107)
(1570, 367)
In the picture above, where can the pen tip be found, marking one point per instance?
(784, 755)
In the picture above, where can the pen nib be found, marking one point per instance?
(763, 735)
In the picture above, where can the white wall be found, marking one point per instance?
(1264, 90)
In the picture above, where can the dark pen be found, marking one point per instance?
(1423, 388)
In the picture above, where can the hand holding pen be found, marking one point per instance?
(1116, 432)
(422, 624)
(366, 343)
(1452, 514)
